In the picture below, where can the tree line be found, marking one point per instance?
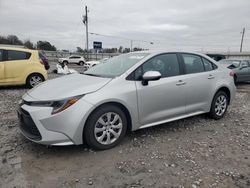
(45, 45)
(14, 40)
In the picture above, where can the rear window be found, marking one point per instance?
(42, 56)
(207, 65)
(1, 55)
(74, 57)
(17, 55)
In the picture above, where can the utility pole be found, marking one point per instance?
(85, 21)
(242, 39)
(131, 45)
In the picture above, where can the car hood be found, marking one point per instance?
(66, 86)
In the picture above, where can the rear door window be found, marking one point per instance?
(13, 55)
(193, 63)
(207, 65)
(244, 63)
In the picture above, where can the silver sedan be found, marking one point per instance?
(127, 92)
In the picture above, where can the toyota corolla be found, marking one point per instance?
(127, 92)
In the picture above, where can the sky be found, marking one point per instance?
(194, 25)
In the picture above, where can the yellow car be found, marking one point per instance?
(19, 66)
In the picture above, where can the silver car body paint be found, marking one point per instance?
(161, 101)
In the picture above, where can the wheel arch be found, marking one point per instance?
(119, 105)
(227, 91)
(33, 74)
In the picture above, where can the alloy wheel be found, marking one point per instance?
(108, 128)
(220, 105)
(35, 80)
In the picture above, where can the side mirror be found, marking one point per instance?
(150, 76)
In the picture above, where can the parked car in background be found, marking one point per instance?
(128, 92)
(90, 64)
(217, 57)
(74, 59)
(241, 69)
(44, 61)
(20, 66)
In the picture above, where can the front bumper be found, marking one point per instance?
(65, 128)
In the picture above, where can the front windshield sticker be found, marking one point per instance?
(136, 57)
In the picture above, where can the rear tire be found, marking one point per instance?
(81, 63)
(34, 79)
(65, 62)
(219, 105)
(105, 127)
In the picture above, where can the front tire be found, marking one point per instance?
(33, 80)
(81, 63)
(105, 127)
(219, 105)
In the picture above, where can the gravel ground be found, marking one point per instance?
(194, 152)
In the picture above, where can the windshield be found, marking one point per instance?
(116, 66)
(230, 62)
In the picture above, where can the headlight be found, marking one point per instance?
(58, 106)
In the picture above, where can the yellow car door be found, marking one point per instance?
(16, 64)
(1, 67)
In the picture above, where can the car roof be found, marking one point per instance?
(167, 51)
(156, 52)
(16, 48)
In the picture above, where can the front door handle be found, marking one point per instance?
(180, 82)
(210, 76)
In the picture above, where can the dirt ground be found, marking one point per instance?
(194, 152)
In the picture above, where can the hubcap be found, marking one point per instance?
(220, 105)
(34, 80)
(108, 128)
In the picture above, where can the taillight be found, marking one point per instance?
(232, 73)
(41, 61)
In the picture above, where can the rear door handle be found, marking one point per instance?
(210, 76)
(180, 82)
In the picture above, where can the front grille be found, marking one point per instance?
(27, 125)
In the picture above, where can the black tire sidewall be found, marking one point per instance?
(212, 110)
(29, 77)
(88, 134)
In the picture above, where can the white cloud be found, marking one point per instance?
(179, 24)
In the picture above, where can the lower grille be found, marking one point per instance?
(27, 125)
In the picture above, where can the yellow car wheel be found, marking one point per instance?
(34, 79)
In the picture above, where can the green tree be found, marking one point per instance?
(29, 44)
(11, 39)
(45, 45)
(79, 50)
(14, 40)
